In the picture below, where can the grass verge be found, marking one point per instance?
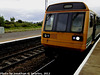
(21, 29)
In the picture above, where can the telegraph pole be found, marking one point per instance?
(46, 3)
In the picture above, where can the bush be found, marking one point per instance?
(35, 25)
(2, 21)
(19, 21)
(39, 24)
(9, 25)
(7, 22)
(17, 24)
(12, 19)
(25, 25)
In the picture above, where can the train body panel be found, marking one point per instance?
(97, 33)
(63, 40)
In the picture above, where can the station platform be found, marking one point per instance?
(18, 35)
(92, 66)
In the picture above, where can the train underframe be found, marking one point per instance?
(53, 51)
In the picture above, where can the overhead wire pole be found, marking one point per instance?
(46, 3)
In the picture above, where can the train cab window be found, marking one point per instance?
(62, 22)
(49, 22)
(77, 22)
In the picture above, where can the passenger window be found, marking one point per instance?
(91, 20)
(62, 22)
(97, 21)
(77, 22)
(49, 22)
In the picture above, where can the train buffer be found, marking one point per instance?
(92, 66)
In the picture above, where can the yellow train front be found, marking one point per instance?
(68, 25)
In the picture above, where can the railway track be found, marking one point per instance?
(19, 44)
(11, 60)
(40, 69)
(64, 65)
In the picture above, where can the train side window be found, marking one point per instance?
(49, 21)
(62, 22)
(98, 21)
(91, 20)
(77, 22)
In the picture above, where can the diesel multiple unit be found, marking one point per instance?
(69, 25)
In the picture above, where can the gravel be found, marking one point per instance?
(30, 65)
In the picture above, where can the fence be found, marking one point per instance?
(1, 30)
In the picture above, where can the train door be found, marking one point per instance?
(90, 29)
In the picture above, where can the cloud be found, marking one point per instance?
(23, 4)
(33, 10)
(92, 4)
(26, 10)
(31, 16)
(96, 10)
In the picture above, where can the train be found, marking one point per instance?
(69, 26)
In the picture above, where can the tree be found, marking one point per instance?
(2, 21)
(20, 21)
(7, 22)
(12, 19)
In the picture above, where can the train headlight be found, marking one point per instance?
(77, 38)
(46, 35)
(74, 38)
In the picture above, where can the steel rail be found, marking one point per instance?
(14, 59)
(44, 66)
(19, 44)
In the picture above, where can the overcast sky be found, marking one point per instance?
(33, 10)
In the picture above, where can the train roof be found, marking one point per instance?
(93, 12)
(68, 6)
